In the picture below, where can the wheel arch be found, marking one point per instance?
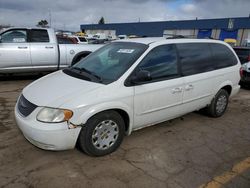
(228, 86)
(125, 112)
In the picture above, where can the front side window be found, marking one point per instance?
(109, 62)
(161, 62)
(39, 35)
(14, 36)
(195, 58)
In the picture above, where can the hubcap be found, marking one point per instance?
(105, 134)
(221, 104)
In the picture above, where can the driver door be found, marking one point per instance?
(160, 98)
(14, 51)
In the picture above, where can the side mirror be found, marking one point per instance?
(141, 76)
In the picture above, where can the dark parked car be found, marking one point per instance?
(244, 56)
(65, 40)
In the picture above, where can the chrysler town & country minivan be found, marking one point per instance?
(124, 86)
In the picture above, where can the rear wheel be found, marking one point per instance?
(102, 134)
(219, 104)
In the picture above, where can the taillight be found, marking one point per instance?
(241, 72)
(248, 58)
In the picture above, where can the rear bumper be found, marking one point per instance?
(48, 136)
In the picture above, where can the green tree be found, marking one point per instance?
(42, 23)
(101, 21)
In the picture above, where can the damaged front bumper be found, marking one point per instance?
(48, 136)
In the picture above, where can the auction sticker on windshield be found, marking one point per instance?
(127, 51)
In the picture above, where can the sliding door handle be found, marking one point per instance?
(177, 90)
(22, 47)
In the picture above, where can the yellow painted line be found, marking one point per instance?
(223, 179)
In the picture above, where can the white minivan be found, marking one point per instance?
(124, 86)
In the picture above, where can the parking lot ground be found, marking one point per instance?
(187, 152)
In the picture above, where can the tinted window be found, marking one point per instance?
(223, 56)
(195, 58)
(161, 62)
(242, 51)
(14, 36)
(39, 35)
(62, 40)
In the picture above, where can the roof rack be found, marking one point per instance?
(173, 36)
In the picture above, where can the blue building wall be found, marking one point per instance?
(155, 29)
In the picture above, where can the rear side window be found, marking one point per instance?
(223, 56)
(161, 62)
(195, 58)
(39, 35)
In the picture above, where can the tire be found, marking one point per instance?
(219, 104)
(102, 134)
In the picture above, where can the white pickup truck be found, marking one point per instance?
(37, 50)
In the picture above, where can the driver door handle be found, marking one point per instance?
(189, 87)
(177, 90)
(22, 47)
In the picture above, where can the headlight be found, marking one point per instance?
(54, 115)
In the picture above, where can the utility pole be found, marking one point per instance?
(50, 24)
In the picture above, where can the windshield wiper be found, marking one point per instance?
(88, 72)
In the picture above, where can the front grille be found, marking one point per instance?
(25, 107)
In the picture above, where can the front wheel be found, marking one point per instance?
(219, 104)
(102, 134)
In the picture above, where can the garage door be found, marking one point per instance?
(226, 34)
(204, 33)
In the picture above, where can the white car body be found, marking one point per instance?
(100, 36)
(145, 105)
(246, 67)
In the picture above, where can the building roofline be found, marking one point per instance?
(188, 20)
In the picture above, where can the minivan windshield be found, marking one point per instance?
(108, 63)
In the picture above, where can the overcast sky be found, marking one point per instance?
(69, 14)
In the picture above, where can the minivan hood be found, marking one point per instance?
(55, 89)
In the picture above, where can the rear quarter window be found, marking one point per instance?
(222, 56)
(39, 35)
